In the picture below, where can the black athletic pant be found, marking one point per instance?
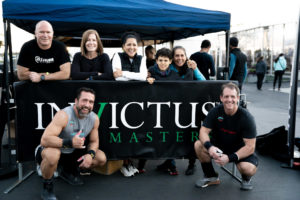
(260, 78)
(278, 74)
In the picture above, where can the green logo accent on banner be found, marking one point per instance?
(102, 105)
(133, 137)
(116, 139)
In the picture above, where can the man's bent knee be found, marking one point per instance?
(100, 158)
(201, 152)
(51, 155)
(246, 168)
(197, 146)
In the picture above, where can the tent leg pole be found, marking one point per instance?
(10, 55)
(226, 74)
(20, 178)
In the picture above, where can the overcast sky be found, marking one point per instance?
(251, 13)
(244, 14)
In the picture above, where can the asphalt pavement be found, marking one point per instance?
(272, 182)
(269, 107)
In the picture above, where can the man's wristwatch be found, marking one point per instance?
(42, 77)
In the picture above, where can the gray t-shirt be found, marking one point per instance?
(75, 124)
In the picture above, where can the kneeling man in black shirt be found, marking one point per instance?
(228, 134)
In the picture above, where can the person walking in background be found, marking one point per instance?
(237, 63)
(279, 67)
(91, 62)
(261, 69)
(205, 62)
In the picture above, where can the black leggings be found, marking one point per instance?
(260, 79)
(278, 74)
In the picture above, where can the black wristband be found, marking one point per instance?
(233, 157)
(67, 143)
(207, 145)
(92, 153)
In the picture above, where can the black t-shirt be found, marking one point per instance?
(150, 62)
(83, 68)
(38, 60)
(228, 131)
(205, 63)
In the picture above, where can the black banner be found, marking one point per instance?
(137, 120)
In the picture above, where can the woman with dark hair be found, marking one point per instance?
(128, 65)
(91, 63)
(187, 70)
(261, 69)
(279, 67)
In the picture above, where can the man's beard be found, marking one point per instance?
(80, 113)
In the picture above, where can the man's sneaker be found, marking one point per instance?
(202, 183)
(246, 185)
(47, 192)
(126, 172)
(133, 169)
(38, 170)
(38, 159)
(71, 178)
(190, 170)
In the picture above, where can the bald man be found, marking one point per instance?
(43, 58)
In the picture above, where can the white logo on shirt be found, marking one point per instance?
(44, 60)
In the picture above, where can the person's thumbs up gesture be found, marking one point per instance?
(77, 141)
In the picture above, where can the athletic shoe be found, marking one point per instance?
(126, 172)
(173, 172)
(132, 169)
(246, 185)
(141, 171)
(71, 178)
(47, 192)
(163, 167)
(38, 159)
(202, 183)
(172, 169)
(168, 166)
(190, 170)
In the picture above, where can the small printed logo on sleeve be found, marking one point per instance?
(81, 134)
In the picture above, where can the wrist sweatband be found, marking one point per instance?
(233, 157)
(67, 143)
(92, 153)
(207, 145)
